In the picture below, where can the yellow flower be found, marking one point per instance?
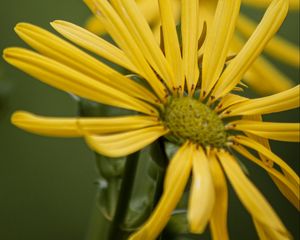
(190, 101)
(278, 48)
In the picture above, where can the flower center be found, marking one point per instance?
(189, 119)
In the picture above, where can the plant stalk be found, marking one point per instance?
(115, 231)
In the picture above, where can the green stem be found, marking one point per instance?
(99, 225)
(124, 197)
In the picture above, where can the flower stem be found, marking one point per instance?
(115, 231)
(99, 225)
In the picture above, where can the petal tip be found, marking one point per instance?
(9, 53)
(18, 117)
(21, 26)
(56, 22)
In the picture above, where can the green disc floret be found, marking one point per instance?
(189, 119)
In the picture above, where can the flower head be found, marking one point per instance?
(190, 100)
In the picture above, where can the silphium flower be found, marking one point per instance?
(190, 100)
(278, 48)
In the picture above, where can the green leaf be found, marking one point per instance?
(147, 186)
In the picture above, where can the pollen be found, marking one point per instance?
(190, 119)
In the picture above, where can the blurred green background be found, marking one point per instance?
(46, 184)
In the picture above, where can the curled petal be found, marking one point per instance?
(143, 36)
(93, 43)
(67, 79)
(76, 127)
(177, 177)
(277, 131)
(202, 195)
(293, 177)
(263, 69)
(229, 100)
(118, 30)
(278, 47)
(171, 43)
(252, 199)
(65, 53)
(282, 101)
(218, 220)
(123, 144)
(189, 24)
(265, 233)
(218, 42)
(290, 191)
(294, 4)
(268, 26)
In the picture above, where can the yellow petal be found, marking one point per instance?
(269, 163)
(277, 131)
(261, 140)
(268, 154)
(229, 100)
(123, 144)
(217, 43)
(94, 25)
(75, 127)
(93, 43)
(268, 26)
(263, 76)
(148, 8)
(190, 35)
(218, 220)
(282, 101)
(278, 47)
(265, 233)
(274, 81)
(171, 43)
(157, 25)
(206, 13)
(177, 176)
(252, 199)
(260, 230)
(57, 49)
(67, 79)
(202, 194)
(48, 126)
(290, 191)
(206, 16)
(294, 4)
(144, 38)
(119, 32)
